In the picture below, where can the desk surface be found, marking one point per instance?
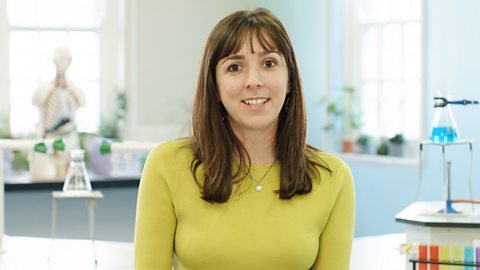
(32, 253)
(77, 194)
(378, 253)
(368, 253)
(24, 183)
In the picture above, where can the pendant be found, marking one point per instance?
(258, 188)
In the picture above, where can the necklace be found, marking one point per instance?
(259, 187)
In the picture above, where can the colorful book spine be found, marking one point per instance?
(468, 257)
(447, 254)
(478, 256)
(422, 255)
(434, 255)
(457, 256)
(445, 257)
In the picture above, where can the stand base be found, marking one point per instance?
(449, 209)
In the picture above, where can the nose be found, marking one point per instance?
(254, 79)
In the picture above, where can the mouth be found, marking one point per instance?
(255, 101)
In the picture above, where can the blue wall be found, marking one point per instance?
(451, 64)
(311, 24)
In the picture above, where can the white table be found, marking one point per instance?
(378, 253)
(27, 253)
(369, 253)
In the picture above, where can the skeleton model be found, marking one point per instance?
(58, 102)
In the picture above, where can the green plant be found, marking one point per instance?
(108, 128)
(363, 140)
(397, 139)
(347, 112)
(382, 149)
(112, 127)
(121, 111)
(334, 112)
(19, 158)
(5, 132)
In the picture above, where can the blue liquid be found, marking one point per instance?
(444, 134)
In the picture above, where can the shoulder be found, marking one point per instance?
(78, 93)
(334, 164)
(41, 93)
(172, 150)
(166, 161)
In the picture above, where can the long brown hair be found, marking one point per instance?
(213, 140)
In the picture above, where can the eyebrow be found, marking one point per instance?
(241, 57)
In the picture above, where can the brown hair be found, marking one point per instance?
(213, 140)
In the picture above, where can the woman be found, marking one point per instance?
(245, 191)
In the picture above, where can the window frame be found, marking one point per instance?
(111, 36)
(353, 66)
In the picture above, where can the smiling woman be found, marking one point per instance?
(245, 191)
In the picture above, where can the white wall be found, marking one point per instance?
(165, 40)
(4, 95)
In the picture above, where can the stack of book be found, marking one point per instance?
(438, 257)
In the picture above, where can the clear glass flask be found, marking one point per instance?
(77, 178)
(444, 127)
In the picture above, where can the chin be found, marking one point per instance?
(262, 126)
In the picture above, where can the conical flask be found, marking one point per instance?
(77, 178)
(444, 127)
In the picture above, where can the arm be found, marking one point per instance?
(155, 221)
(336, 240)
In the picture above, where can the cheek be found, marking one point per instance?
(278, 81)
(282, 85)
(229, 88)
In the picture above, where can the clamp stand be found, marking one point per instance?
(446, 173)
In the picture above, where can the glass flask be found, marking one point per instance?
(444, 127)
(77, 178)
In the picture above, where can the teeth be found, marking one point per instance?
(255, 101)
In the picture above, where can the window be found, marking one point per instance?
(387, 66)
(36, 29)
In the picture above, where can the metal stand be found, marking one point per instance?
(425, 262)
(446, 173)
(90, 197)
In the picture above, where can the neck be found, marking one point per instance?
(60, 80)
(260, 145)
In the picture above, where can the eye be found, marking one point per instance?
(270, 63)
(233, 68)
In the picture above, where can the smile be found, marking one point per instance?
(255, 101)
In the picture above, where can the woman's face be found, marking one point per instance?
(252, 86)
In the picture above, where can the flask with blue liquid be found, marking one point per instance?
(444, 127)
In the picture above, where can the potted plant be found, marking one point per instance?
(396, 144)
(14, 160)
(350, 117)
(109, 130)
(363, 143)
(382, 148)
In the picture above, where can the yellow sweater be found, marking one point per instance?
(252, 230)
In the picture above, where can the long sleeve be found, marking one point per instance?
(155, 219)
(336, 239)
